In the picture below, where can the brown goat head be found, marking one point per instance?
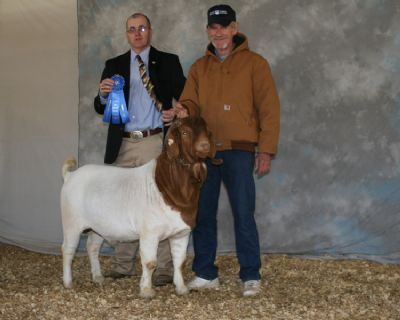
(189, 140)
(180, 170)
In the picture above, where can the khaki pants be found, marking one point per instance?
(134, 153)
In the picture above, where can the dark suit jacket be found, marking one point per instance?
(166, 74)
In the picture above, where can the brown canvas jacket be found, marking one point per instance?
(237, 98)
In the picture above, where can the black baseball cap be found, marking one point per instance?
(221, 14)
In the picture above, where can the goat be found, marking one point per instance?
(151, 203)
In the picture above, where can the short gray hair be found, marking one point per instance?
(136, 15)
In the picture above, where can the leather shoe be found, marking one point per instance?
(162, 280)
(116, 275)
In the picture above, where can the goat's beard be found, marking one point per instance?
(202, 155)
(199, 172)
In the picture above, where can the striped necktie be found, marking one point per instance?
(147, 83)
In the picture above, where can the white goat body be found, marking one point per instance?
(128, 195)
(120, 204)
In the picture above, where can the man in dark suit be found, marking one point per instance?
(150, 111)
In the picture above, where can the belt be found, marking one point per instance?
(141, 134)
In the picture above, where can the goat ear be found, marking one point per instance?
(172, 140)
(172, 148)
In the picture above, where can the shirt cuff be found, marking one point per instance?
(103, 100)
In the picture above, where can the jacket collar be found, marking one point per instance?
(154, 60)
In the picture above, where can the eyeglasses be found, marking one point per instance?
(140, 29)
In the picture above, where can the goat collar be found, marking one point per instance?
(193, 168)
(185, 163)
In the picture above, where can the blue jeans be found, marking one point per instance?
(236, 173)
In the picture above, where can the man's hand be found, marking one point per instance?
(180, 111)
(105, 87)
(263, 163)
(168, 116)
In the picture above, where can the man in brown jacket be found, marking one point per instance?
(233, 89)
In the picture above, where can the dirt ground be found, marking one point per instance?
(293, 288)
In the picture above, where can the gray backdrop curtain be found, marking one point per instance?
(38, 117)
(334, 188)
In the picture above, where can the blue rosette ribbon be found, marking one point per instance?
(116, 111)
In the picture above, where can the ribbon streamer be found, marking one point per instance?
(116, 110)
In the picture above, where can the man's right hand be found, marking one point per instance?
(105, 87)
(180, 111)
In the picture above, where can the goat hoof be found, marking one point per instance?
(182, 290)
(98, 280)
(68, 285)
(147, 293)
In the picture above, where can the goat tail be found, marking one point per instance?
(68, 166)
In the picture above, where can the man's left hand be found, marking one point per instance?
(263, 163)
